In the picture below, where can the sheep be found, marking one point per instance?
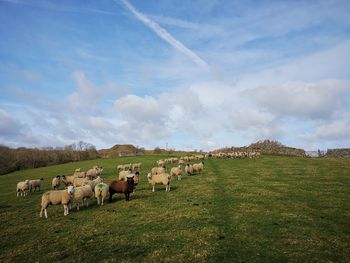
(189, 169)
(56, 182)
(34, 184)
(163, 178)
(158, 170)
(101, 191)
(123, 187)
(124, 174)
(198, 167)
(91, 173)
(82, 194)
(136, 166)
(120, 167)
(55, 197)
(22, 188)
(125, 167)
(94, 182)
(80, 174)
(79, 181)
(68, 180)
(161, 163)
(176, 171)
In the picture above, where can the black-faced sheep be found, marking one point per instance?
(122, 187)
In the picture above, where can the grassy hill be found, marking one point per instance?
(271, 209)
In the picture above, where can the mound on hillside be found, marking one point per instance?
(120, 150)
(268, 147)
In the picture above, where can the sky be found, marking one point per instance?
(189, 75)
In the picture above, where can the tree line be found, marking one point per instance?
(23, 158)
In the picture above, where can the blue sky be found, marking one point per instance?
(193, 74)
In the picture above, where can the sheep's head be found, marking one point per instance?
(130, 181)
(70, 189)
(99, 179)
(149, 175)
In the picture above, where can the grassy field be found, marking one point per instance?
(271, 209)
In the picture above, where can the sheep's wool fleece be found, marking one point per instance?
(101, 186)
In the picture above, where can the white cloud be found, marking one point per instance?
(310, 100)
(9, 127)
(86, 96)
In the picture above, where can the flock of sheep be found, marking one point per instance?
(83, 185)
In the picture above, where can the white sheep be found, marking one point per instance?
(176, 171)
(198, 167)
(22, 188)
(120, 167)
(95, 171)
(83, 194)
(56, 182)
(68, 180)
(79, 181)
(189, 169)
(158, 170)
(101, 191)
(34, 184)
(161, 163)
(136, 166)
(163, 178)
(124, 174)
(80, 174)
(94, 182)
(55, 197)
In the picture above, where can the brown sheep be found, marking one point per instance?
(121, 187)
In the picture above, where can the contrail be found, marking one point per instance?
(165, 35)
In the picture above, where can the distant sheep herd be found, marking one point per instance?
(83, 185)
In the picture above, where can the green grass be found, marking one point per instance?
(271, 209)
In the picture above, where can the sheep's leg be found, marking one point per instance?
(153, 189)
(41, 212)
(45, 210)
(98, 200)
(65, 207)
(102, 200)
(17, 193)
